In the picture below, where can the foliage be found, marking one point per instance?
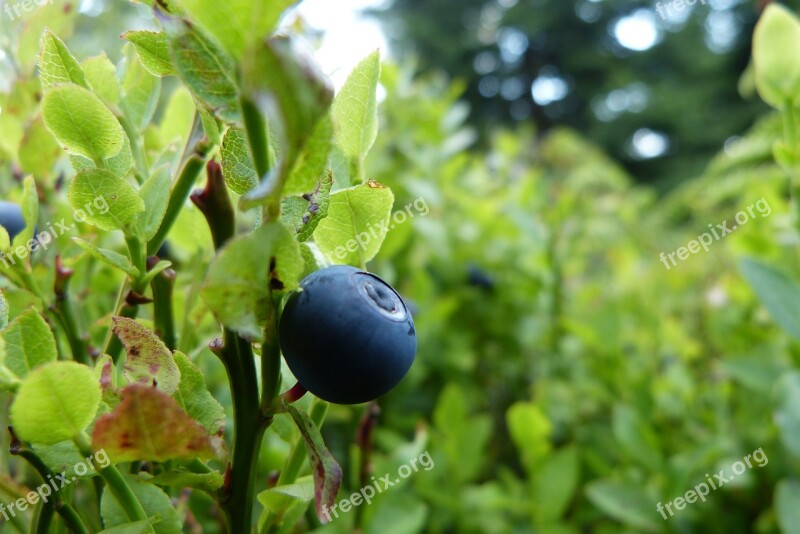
(568, 380)
(499, 48)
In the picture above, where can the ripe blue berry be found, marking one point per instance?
(347, 336)
(11, 218)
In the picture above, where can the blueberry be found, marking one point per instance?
(476, 277)
(11, 218)
(347, 336)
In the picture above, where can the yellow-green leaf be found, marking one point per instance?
(55, 402)
(82, 123)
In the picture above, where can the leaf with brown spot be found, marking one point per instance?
(149, 360)
(327, 472)
(104, 369)
(149, 425)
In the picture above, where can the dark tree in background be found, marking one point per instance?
(653, 84)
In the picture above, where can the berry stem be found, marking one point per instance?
(294, 394)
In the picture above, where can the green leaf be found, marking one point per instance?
(278, 72)
(109, 257)
(210, 127)
(405, 512)
(178, 116)
(554, 484)
(464, 433)
(623, 502)
(155, 194)
(149, 361)
(82, 123)
(312, 163)
(102, 77)
(776, 39)
(327, 473)
(5, 242)
(304, 213)
(157, 269)
(356, 225)
(136, 527)
(153, 49)
(779, 295)
(3, 311)
(787, 416)
(238, 23)
(312, 258)
(208, 482)
(240, 279)
(122, 200)
(280, 499)
(149, 425)
(56, 64)
(754, 372)
(38, 150)
(193, 396)
(237, 163)
(787, 506)
(636, 438)
(62, 457)
(55, 402)
(155, 502)
(207, 70)
(530, 431)
(119, 165)
(140, 91)
(355, 110)
(28, 344)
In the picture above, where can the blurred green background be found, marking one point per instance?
(566, 381)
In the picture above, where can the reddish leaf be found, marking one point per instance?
(327, 473)
(149, 425)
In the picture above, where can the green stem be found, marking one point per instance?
(138, 259)
(237, 356)
(115, 482)
(163, 316)
(270, 363)
(62, 310)
(249, 426)
(43, 517)
(64, 509)
(111, 345)
(186, 180)
(257, 136)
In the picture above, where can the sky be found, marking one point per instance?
(348, 37)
